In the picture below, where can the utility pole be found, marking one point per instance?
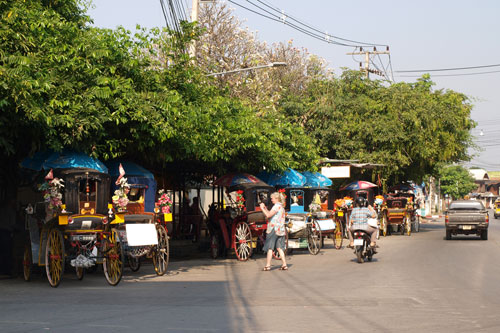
(194, 18)
(367, 54)
(194, 10)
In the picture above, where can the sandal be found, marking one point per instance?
(284, 268)
(266, 268)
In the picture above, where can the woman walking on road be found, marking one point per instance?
(275, 238)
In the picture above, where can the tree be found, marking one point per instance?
(109, 93)
(226, 44)
(456, 181)
(407, 127)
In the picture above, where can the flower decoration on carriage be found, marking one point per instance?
(379, 200)
(120, 199)
(52, 192)
(315, 205)
(348, 201)
(164, 202)
(240, 201)
(339, 204)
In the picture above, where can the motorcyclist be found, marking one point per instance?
(358, 220)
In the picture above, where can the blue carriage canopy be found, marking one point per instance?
(287, 179)
(137, 177)
(316, 179)
(67, 159)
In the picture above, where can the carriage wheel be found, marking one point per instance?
(54, 257)
(243, 241)
(407, 226)
(313, 237)
(214, 245)
(276, 254)
(80, 272)
(113, 258)
(27, 263)
(339, 238)
(134, 263)
(162, 252)
(383, 225)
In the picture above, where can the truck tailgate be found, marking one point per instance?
(466, 217)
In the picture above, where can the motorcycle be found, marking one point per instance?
(362, 247)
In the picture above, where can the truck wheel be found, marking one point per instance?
(448, 234)
(484, 235)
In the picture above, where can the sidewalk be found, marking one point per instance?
(431, 218)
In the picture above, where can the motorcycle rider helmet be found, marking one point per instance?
(360, 202)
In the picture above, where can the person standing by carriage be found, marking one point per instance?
(275, 237)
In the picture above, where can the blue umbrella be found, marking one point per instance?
(288, 178)
(315, 179)
(62, 160)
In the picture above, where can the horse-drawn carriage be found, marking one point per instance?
(399, 212)
(239, 223)
(307, 227)
(72, 225)
(142, 231)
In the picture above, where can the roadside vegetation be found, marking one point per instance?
(110, 93)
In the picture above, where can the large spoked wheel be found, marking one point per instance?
(313, 237)
(162, 252)
(27, 263)
(54, 257)
(215, 245)
(407, 226)
(339, 235)
(276, 254)
(113, 258)
(416, 225)
(383, 225)
(243, 241)
(134, 263)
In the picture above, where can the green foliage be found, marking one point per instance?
(109, 93)
(456, 181)
(407, 127)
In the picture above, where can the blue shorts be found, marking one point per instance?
(274, 241)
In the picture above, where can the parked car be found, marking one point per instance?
(467, 217)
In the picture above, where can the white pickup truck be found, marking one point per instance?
(467, 217)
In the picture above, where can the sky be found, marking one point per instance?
(422, 35)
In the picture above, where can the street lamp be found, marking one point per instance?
(271, 64)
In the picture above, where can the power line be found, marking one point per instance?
(460, 74)
(274, 17)
(282, 12)
(446, 69)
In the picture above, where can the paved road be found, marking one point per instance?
(415, 284)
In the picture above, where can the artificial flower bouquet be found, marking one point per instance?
(164, 202)
(120, 199)
(52, 192)
(240, 202)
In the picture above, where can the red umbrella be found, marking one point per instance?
(232, 179)
(358, 185)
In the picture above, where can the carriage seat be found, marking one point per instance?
(256, 216)
(139, 218)
(396, 203)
